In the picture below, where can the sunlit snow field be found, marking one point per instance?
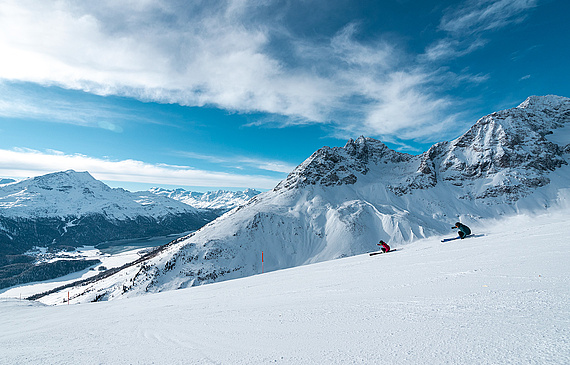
(503, 298)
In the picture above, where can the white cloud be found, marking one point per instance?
(21, 102)
(482, 15)
(466, 24)
(268, 165)
(202, 53)
(196, 53)
(207, 58)
(21, 163)
(449, 48)
(241, 162)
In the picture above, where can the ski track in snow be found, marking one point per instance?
(498, 299)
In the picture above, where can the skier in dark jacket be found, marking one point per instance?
(385, 248)
(463, 230)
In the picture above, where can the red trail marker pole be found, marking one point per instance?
(262, 262)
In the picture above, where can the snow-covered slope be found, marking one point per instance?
(341, 201)
(72, 208)
(222, 200)
(498, 299)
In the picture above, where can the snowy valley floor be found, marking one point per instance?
(503, 298)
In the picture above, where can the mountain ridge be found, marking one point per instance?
(222, 200)
(70, 208)
(342, 200)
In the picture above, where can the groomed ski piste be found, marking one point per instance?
(503, 298)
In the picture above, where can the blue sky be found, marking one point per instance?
(234, 94)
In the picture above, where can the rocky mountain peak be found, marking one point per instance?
(514, 138)
(341, 165)
(545, 103)
(66, 180)
(510, 148)
(220, 200)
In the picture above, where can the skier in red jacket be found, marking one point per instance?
(385, 248)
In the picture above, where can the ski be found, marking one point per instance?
(456, 238)
(380, 252)
(449, 239)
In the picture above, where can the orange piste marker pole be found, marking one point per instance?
(262, 262)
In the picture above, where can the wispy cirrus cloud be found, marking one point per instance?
(20, 101)
(21, 163)
(476, 16)
(452, 48)
(466, 24)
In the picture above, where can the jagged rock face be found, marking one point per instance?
(509, 147)
(494, 148)
(341, 166)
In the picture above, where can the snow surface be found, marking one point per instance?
(503, 298)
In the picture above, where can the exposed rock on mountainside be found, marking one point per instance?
(340, 166)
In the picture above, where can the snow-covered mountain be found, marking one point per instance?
(221, 200)
(72, 209)
(341, 201)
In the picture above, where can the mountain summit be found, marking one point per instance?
(341, 165)
(72, 208)
(341, 201)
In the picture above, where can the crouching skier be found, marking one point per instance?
(385, 248)
(463, 230)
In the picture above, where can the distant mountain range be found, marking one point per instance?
(73, 209)
(342, 200)
(221, 200)
(69, 209)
